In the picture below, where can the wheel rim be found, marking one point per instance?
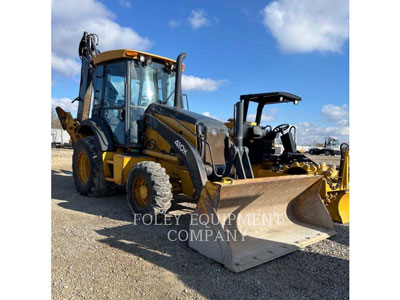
(83, 167)
(141, 192)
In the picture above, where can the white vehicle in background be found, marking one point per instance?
(60, 138)
(331, 147)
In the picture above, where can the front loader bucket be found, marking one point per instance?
(248, 222)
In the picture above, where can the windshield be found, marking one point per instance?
(154, 83)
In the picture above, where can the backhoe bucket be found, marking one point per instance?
(244, 223)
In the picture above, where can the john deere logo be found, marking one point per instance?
(180, 147)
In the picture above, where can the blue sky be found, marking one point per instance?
(233, 48)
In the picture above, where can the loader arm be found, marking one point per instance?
(342, 183)
(344, 167)
(338, 203)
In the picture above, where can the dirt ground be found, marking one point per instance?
(97, 253)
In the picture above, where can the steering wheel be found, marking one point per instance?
(266, 129)
(281, 128)
(267, 126)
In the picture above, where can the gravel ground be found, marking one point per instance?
(97, 253)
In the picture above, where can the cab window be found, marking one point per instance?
(114, 100)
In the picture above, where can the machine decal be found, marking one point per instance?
(180, 147)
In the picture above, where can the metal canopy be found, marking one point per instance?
(266, 98)
(271, 98)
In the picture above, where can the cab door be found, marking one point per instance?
(113, 106)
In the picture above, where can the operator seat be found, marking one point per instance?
(117, 125)
(112, 116)
(253, 139)
(136, 115)
(268, 143)
(253, 132)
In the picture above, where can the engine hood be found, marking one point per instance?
(208, 125)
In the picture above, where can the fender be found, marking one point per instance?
(100, 129)
(186, 151)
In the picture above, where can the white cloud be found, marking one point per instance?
(192, 83)
(198, 18)
(65, 104)
(67, 66)
(71, 18)
(268, 116)
(309, 133)
(207, 114)
(336, 114)
(308, 25)
(174, 23)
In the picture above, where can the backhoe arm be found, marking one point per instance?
(87, 50)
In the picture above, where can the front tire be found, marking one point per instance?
(327, 152)
(88, 172)
(148, 189)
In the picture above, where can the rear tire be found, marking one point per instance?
(88, 172)
(148, 189)
(312, 152)
(327, 152)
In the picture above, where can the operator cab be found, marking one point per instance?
(261, 139)
(126, 82)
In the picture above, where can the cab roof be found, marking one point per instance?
(127, 53)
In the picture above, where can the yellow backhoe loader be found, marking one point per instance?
(136, 133)
(266, 162)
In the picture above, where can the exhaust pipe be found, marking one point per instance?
(238, 137)
(178, 102)
(239, 156)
